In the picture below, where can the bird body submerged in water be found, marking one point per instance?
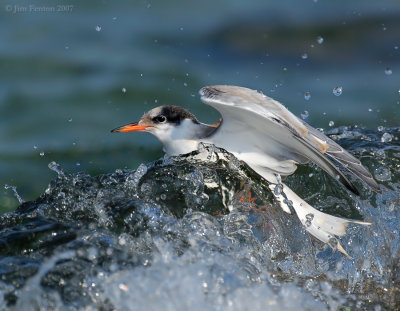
(269, 138)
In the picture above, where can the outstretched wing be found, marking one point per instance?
(269, 121)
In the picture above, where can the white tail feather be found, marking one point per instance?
(322, 226)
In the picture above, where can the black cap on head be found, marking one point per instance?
(175, 114)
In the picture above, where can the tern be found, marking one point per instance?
(270, 139)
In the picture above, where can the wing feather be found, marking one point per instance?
(345, 159)
(297, 137)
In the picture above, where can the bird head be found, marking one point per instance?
(167, 123)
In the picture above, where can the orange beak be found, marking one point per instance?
(130, 127)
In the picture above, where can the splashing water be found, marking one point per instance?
(15, 192)
(203, 230)
(56, 168)
(307, 95)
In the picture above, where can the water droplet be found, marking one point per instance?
(70, 120)
(122, 241)
(289, 203)
(78, 164)
(123, 287)
(304, 56)
(35, 147)
(396, 47)
(388, 71)
(98, 28)
(337, 91)
(92, 253)
(163, 196)
(331, 123)
(41, 153)
(114, 18)
(310, 175)
(278, 189)
(320, 40)
(383, 173)
(309, 219)
(123, 90)
(304, 115)
(185, 84)
(148, 6)
(333, 242)
(386, 137)
(398, 91)
(380, 128)
(181, 29)
(369, 110)
(307, 95)
(56, 168)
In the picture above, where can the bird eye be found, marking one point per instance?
(161, 119)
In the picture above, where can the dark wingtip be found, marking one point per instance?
(350, 186)
(371, 183)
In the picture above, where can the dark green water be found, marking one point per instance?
(61, 79)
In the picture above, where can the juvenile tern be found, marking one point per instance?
(270, 139)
